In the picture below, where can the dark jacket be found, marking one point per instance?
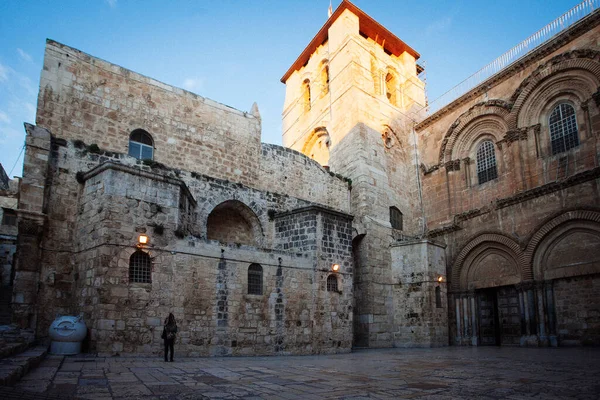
(169, 331)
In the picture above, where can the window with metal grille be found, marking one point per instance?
(563, 128)
(486, 162)
(395, 218)
(9, 217)
(255, 281)
(332, 283)
(141, 145)
(140, 267)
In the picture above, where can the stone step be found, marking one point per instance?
(13, 368)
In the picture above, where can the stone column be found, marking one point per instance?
(541, 314)
(523, 312)
(474, 320)
(458, 319)
(550, 311)
(466, 320)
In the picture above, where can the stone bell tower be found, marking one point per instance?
(352, 99)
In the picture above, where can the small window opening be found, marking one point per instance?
(396, 218)
(563, 128)
(332, 283)
(255, 281)
(141, 145)
(10, 217)
(486, 162)
(140, 267)
(438, 297)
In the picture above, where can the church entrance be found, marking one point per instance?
(499, 316)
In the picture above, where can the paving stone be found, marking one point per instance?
(443, 373)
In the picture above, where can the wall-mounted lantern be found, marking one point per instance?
(142, 240)
(335, 267)
(440, 279)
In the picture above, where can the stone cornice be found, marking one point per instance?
(548, 188)
(552, 45)
(138, 172)
(315, 209)
(516, 199)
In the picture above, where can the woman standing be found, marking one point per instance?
(168, 335)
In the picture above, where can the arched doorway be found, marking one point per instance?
(491, 301)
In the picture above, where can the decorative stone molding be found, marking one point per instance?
(429, 170)
(443, 230)
(389, 137)
(497, 238)
(495, 107)
(453, 165)
(548, 188)
(512, 136)
(581, 59)
(528, 255)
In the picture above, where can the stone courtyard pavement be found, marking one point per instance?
(444, 373)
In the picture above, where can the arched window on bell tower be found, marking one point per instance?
(306, 95)
(390, 88)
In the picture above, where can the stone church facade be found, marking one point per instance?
(375, 225)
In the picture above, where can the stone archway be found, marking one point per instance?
(491, 303)
(564, 258)
(233, 222)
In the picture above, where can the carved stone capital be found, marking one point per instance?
(452, 165)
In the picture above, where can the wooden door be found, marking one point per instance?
(509, 316)
(486, 300)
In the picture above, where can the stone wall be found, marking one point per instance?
(503, 236)
(578, 310)
(419, 273)
(100, 201)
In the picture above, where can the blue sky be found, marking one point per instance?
(235, 51)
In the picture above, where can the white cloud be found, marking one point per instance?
(193, 84)
(111, 3)
(4, 118)
(24, 55)
(3, 73)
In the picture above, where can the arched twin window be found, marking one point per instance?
(255, 279)
(486, 162)
(140, 267)
(141, 145)
(332, 283)
(563, 128)
(396, 218)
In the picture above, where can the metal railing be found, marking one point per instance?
(557, 26)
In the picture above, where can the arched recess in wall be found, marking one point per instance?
(567, 245)
(317, 145)
(483, 117)
(576, 72)
(489, 260)
(234, 222)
